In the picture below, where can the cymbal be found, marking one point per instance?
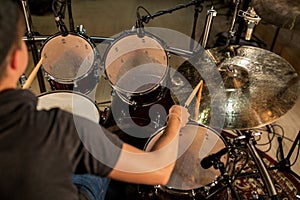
(258, 87)
(282, 13)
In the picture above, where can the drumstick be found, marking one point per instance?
(192, 95)
(197, 106)
(33, 74)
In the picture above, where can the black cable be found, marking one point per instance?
(296, 155)
(148, 13)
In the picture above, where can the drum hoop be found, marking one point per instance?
(96, 60)
(171, 190)
(76, 93)
(175, 190)
(124, 35)
(191, 122)
(144, 104)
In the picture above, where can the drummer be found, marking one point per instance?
(46, 154)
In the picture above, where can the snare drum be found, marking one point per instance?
(71, 63)
(73, 102)
(189, 180)
(137, 67)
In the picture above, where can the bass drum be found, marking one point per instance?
(189, 180)
(71, 63)
(73, 102)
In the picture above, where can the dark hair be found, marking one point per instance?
(10, 29)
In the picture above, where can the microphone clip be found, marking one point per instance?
(61, 26)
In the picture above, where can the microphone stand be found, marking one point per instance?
(241, 23)
(231, 31)
(284, 164)
(31, 43)
(220, 165)
(71, 21)
(147, 18)
(196, 14)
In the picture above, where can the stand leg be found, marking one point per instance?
(284, 163)
(31, 43)
(272, 193)
(263, 171)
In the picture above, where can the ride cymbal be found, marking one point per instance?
(257, 87)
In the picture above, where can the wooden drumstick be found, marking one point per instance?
(197, 106)
(192, 95)
(33, 74)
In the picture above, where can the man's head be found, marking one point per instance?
(11, 31)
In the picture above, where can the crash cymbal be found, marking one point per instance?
(258, 87)
(282, 13)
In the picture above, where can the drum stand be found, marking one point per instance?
(31, 43)
(250, 143)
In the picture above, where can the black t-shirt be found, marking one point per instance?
(39, 150)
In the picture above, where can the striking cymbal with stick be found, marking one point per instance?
(193, 94)
(198, 99)
(33, 74)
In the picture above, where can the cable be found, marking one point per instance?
(147, 19)
(296, 155)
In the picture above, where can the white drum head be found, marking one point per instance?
(195, 143)
(136, 65)
(69, 101)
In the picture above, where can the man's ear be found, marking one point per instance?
(15, 60)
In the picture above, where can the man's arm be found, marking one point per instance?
(155, 167)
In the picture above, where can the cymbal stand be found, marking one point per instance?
(31, 43)
(208, 23)
(259, 163)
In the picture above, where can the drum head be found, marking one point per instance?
(136, 65)
(75, 103)
(195, 143)
(67, 58)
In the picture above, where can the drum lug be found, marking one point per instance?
(193, 194)
(81, 30)
(96, 74)
(156, 188)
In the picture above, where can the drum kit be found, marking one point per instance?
(253, 88)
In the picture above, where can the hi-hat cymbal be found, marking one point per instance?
(258, 87)
(282, 13)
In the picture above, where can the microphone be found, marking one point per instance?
(208, 161)
(252, 19)
(59, 8)
(139, 25)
